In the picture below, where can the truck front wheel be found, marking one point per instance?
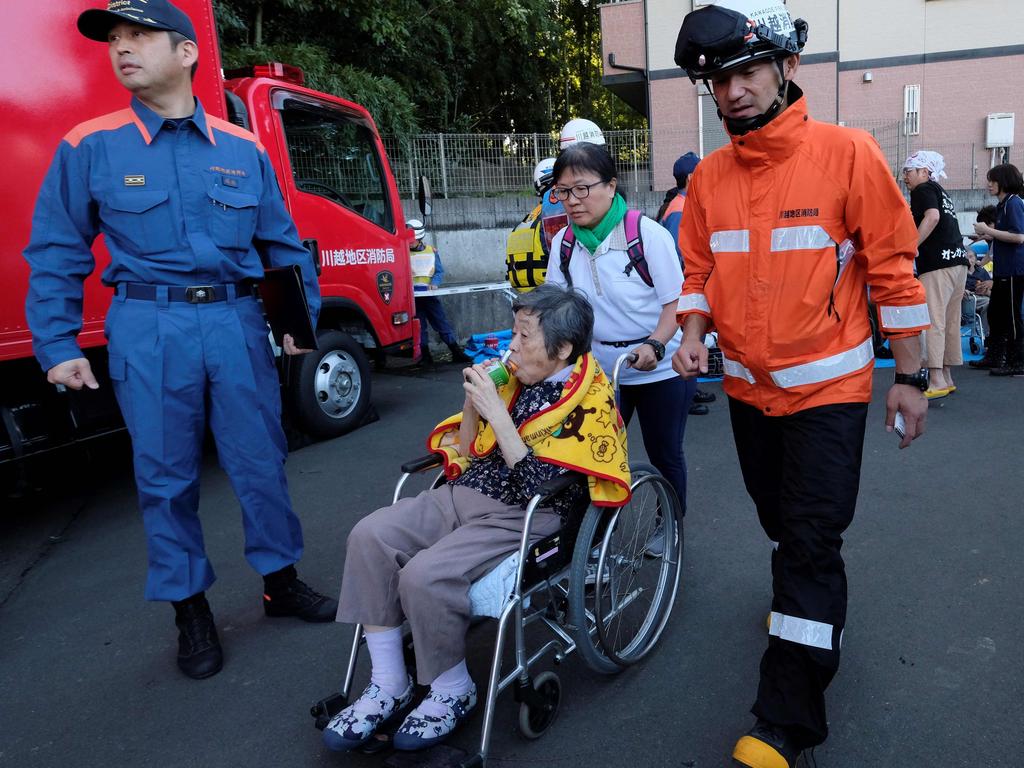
(331, 392)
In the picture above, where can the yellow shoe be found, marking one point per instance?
(935, 394)
(765, 746)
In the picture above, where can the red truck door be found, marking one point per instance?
(339, 188)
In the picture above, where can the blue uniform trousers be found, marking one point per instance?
(176, 366)
(430, 310)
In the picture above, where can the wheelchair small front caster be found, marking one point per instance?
(535, 719)
(327, 708)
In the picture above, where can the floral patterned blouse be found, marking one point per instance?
(516, 485)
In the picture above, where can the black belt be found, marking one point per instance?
(193, 294)
(620, 344)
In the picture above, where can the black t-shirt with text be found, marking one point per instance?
(944, 247)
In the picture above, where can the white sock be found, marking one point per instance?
(387, 663)
(455, 682)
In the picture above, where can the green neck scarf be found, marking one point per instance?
(592, 238)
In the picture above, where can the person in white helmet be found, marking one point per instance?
(526, 249)
(580, 131)
(784, 230)
(576, 131)
(427, 274)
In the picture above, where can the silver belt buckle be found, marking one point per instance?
(199, 294)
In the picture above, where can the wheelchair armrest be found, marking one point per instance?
(422, 464)
(558, 484)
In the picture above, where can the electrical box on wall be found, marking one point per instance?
(999, 130)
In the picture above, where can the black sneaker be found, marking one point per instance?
(698, 409)
(766, 746)
(199, 651)
(300, 600)
(700, 396)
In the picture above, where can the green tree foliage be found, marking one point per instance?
(436, 65)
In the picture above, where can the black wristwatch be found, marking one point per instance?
(919, 379)
(658, 347)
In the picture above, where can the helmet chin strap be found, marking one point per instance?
(740, 126)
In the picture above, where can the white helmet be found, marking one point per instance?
(582, 131)
(543, 174)
(418, 230)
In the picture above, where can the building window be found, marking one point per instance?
(912, 110)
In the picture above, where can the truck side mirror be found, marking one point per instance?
(423, 197)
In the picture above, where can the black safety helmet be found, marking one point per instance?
(731, 33)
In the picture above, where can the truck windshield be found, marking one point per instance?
(334, 156)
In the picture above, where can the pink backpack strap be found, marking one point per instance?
(635, 247)
(565, 253)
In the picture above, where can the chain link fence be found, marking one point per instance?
(495, 164)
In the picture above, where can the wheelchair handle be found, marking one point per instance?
(625, 357)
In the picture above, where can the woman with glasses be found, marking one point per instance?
(629, 314)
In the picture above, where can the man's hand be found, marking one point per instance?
(983, 230)
(73, 373)
(289, 347)
(983, 288)
(911, 402)
(645, 360)
(691, 359)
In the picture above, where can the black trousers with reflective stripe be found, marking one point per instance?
(803, 472)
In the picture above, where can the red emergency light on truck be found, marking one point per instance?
(336, 182)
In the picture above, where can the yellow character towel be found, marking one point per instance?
(582, 431)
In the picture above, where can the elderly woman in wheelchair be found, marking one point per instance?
(416, 560)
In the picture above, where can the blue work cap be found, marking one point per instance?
(685, 165)
(158, 14)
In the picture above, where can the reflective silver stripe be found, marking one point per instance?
(895, 318)
(800, 238)
(731, 241)
(693, 301)
(737, 370)
(827, 368)
(816, 634)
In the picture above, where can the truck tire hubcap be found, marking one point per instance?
(337, 384)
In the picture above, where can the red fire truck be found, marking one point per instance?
(336, 181)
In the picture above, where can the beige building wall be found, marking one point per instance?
(966, 55)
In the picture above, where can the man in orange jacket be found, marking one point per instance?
(783, 231)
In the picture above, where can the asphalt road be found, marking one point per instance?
(932, 660)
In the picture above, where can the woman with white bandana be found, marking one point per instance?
(941, 266)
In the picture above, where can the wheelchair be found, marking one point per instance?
(603, 585)
(971, 325)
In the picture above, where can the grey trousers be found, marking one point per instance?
(417, 559)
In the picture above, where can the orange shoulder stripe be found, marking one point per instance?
(232, 129)
(109, 122)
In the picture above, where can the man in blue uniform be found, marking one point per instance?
(191, 211)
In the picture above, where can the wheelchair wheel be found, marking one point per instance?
(625, 574)
(975, 346)
(534, 721)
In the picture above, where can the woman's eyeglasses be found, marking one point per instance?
(580, 191)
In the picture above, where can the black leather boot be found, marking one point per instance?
(285, 594)
(994, 357)
(458, 355)
(199, 651)
(1014, 365)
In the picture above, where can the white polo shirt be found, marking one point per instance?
(625, 308)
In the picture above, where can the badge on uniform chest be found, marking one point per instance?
(134, 180)
(227, 181)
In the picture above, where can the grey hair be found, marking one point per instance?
(563, 314)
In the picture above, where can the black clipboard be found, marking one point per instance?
(286, 306)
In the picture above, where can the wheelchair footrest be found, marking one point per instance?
(439, 756)
(327, 708)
